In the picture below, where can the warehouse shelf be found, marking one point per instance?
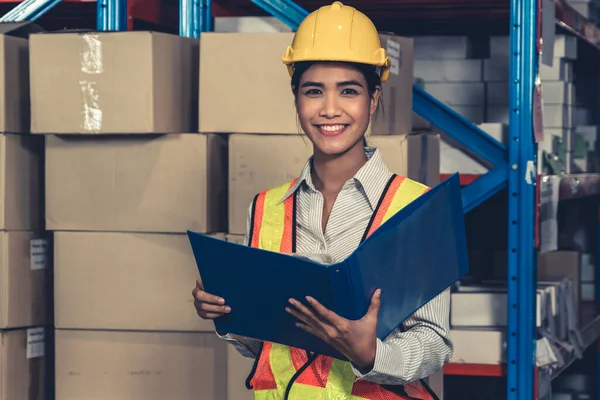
(589, 329)
(579, 185)
(513, 164)
(572, 186)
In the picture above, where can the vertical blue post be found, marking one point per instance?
(522, 270)
(195, 16)
(111, 15)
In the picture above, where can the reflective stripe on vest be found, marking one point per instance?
(281, 369)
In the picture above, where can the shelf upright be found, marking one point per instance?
(195, 16)
(522, 270)
(111, 15)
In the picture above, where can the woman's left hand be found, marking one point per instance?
(357, 340)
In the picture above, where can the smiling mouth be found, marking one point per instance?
(332, 130)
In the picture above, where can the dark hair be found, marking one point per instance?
(368, 71)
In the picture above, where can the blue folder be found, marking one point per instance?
(412, 257)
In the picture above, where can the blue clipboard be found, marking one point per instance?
(414, 256)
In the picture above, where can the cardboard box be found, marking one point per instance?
(140, 365)
(239, 239)
(496, 70)
(565, 46)
(458, 94)
(125, 281)
(555, 265)
(162, 183)
(249, 24)
(554, 93)
(113, 82)
(257, 162)
(24, 284)
(479, 346)
(254, 95)
(22, 364)
(21, 182)
(449, 70)
(444, 47)
(14, 76)
(238, 369)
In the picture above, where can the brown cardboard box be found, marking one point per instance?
(246, 89)
(238, 239)
(22, 364)
(113, 365)
(238, 369)
(154, 183)
(552, 266)
(24, 267)
(20, 182)
(259, 162)
(555, 265)
(125, 281)
(14, 76)
(113, 82)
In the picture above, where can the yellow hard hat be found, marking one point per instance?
(337, 33)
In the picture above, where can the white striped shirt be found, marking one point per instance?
(421, 345)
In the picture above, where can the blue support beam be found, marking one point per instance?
(522, 269)
(286, 11)
(483, 188)
(195, 17)
(111, 15)
(29, 10)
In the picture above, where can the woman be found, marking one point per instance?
(344, 192)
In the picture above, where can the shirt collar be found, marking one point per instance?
(372, 177)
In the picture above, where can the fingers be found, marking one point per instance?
(303, 313)
(208, 306)
(309, 329)
(204, 297)
(373, 310)
(210, 311)
(324, 312)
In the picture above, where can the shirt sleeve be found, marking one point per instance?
(247, 347)
(417, 349)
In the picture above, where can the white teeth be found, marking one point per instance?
(332, 128)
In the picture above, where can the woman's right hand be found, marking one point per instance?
(208, 306)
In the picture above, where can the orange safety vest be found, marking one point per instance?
(282, 372)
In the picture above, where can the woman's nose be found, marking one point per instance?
(331, 107)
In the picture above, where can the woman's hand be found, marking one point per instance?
(357, 340)
(208, 306)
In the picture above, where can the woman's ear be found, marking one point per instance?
(375, 99)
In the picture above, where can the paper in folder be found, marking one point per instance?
(412, 257)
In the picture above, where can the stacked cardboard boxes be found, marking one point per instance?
(126, 176)
(450, 70)
(560, 105)
(245, 92)
(24, 270)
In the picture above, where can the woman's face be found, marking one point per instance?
(334, 106)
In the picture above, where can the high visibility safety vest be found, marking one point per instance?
(282, 372)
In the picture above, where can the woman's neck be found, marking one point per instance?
(330, 173)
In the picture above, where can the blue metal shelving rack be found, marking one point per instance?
(514, 166)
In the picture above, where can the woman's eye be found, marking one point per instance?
(349, 92)
(313, 92)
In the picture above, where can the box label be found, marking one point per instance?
(394, 51)
(35, 342)
(38, 254)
